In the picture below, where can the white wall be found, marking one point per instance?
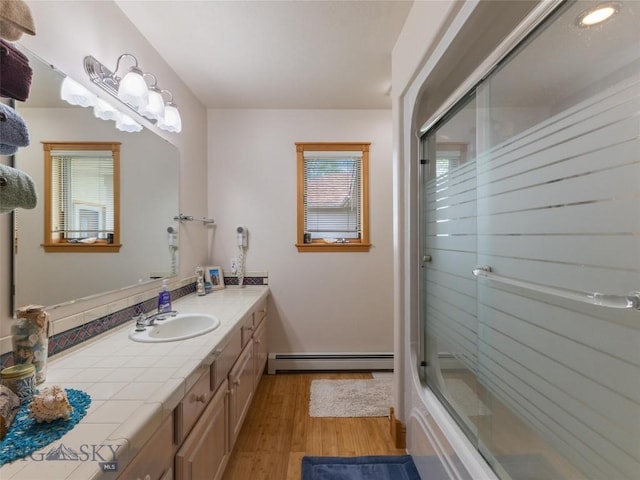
(68, 31)
(321, 302)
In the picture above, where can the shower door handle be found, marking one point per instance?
(632, 300)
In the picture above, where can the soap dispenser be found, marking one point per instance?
(164, 298)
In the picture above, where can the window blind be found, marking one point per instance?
(83, 194)
(332, 194)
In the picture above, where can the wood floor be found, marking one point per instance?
(278, 431)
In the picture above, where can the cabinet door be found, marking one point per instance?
(241, 380)
(205, 452)
(260, 351)
(155, 459)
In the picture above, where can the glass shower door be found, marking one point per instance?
(530, 214)
(449, 299)
(558, 209)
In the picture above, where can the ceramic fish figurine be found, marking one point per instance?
(50, 404)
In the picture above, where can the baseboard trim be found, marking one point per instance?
(329, 361)
(398, 430)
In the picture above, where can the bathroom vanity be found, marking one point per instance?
(161, 410)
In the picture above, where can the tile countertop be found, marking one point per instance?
(133, 387)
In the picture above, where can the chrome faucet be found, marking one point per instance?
(143, 321)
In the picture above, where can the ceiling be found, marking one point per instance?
(294, 54)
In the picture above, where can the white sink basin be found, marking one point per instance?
(180, 327)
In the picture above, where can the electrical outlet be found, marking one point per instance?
(234, 265)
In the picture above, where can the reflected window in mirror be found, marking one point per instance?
(82, 196)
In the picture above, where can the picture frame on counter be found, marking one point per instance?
(214, 276)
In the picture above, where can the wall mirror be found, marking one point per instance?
(149, 179)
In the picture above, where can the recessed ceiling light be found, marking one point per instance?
(597, 14)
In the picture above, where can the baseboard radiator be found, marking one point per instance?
(329, 361)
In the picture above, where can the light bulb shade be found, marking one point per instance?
(133, 89)
(171, 121)
(104, 110)
(75, 94)
(125, 123)
(154, 109)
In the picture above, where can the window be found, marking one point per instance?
(82, 197)
(333, 197)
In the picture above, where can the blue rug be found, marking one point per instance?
(400, 467)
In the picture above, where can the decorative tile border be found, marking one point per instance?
(82, 333)
(247, 280)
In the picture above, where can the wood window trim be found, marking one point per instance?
(317, 245)
(57, 246)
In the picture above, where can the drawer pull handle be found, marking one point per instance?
(201, 398)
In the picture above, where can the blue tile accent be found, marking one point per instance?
(247, 280)
(82, 333)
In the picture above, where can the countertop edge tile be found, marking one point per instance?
(139, 427)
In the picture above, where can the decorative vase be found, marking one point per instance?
(30, 337)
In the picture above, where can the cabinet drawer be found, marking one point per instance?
(192, 405)
(247, 329)
(260, 312)
(226, 359)
(155, 460)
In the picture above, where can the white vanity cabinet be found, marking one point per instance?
(198, 438)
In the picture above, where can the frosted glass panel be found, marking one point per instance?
(544, 385)
(558, 189)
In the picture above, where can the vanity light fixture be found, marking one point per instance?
(597, 14)
(154, 108)
(134, 91)
(132, 88)
(171, 121)
(125, 123)
(104, 111)
(75, 94)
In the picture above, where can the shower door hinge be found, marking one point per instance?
(424, 161)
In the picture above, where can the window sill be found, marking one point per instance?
(81, 247)
(333, 247)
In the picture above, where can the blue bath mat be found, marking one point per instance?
(400, 467)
